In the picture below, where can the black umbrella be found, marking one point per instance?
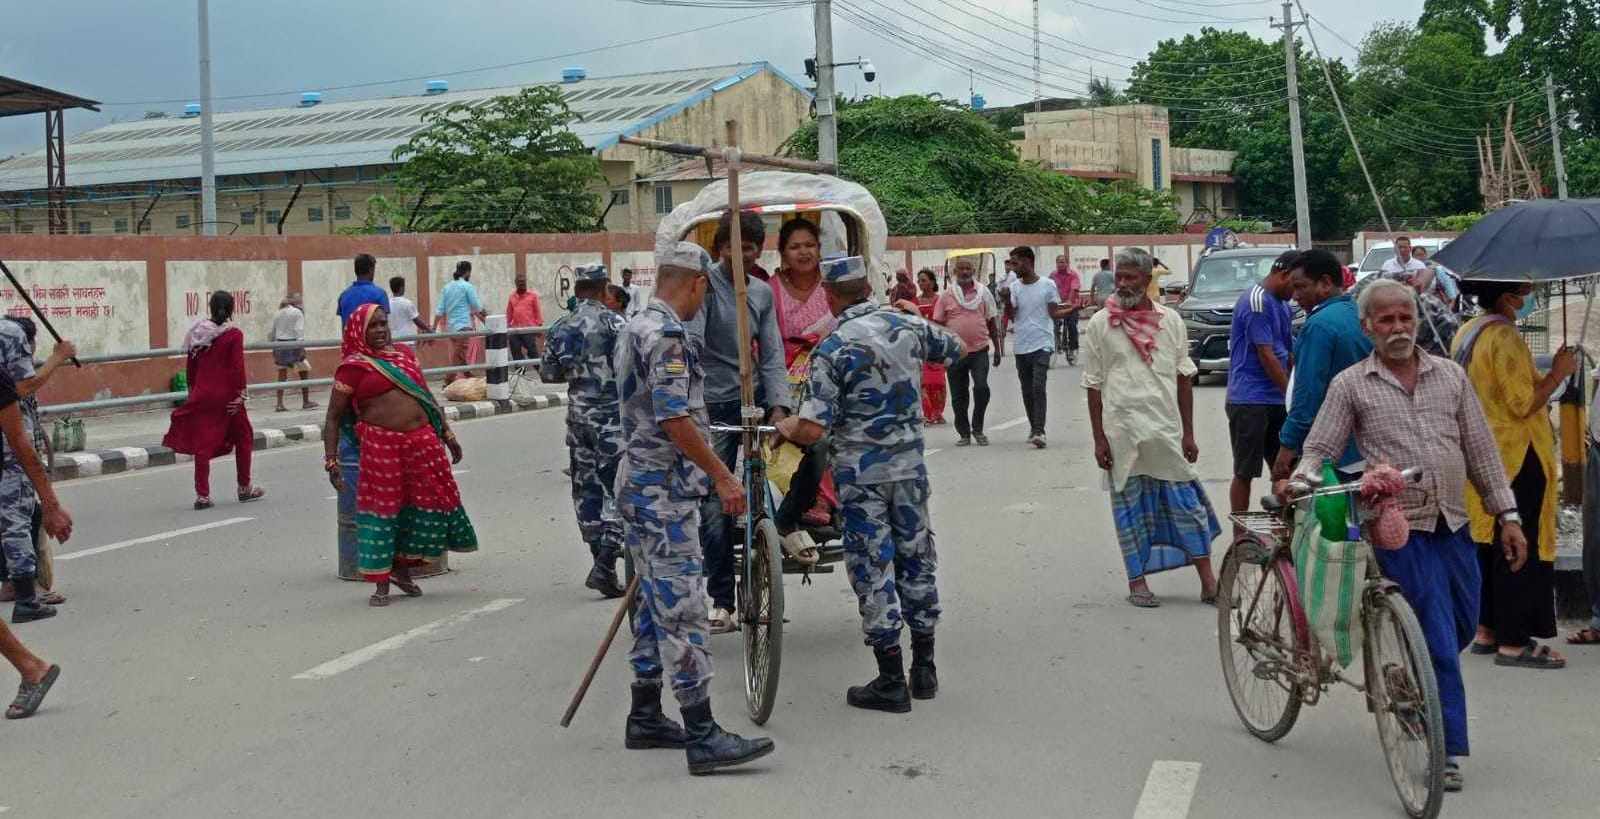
(1540, 240)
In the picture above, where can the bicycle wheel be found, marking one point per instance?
(762, 616)
(1261, 633)
(1405, 700)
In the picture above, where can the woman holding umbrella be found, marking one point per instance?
(1517, 605)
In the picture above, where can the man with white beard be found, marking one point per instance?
(1139, 379)
(1412, 410)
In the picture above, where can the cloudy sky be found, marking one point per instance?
(139, 56)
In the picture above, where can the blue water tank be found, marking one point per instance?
(191, 110)
(436, 87)
(310, 98)
(575, 73)
(978, 102)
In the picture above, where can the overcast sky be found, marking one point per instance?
(141, 56)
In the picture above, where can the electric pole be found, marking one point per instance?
(827, 125)
(1302, 204)
(208, 170)
(1036, 95)
(1555, 137)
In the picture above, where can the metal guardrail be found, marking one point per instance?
(270, 386)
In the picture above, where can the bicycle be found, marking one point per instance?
(1273, 666)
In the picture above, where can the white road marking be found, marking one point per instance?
(932, 452)
(1015, 422)
(343, 663)
(1168, 790)
(459, 471)
(123, 544)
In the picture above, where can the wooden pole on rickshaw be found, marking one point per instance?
(749, 414)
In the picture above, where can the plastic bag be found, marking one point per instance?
(467, 389)
(1330, 574)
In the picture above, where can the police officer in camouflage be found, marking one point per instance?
(18, 500)
(668, 468)
(579, 352)
(865, 394)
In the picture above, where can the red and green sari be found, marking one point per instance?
(408, 508)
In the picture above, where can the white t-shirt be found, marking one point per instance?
(1036, 331)
(289, 324)
(402, 317)
(1392, 266)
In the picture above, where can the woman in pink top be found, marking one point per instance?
(968, 309)
(933, 387)
(804, 320)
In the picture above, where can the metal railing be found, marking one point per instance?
(269, 386)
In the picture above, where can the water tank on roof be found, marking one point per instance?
(436, 87)
(191, 110)
(978, 102)
(575, 73)
(310, 98)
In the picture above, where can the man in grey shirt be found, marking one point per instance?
(715, 332)
(1105, 282)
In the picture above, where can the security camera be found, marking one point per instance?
(868, 70)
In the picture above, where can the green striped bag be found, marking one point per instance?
(1330, 574)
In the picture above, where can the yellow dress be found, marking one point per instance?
(1503, 375)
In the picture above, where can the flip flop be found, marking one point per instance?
(31, 695)
(1452, 778)
(1584, 637)
(253, 493)
(1483, 649)
(1144, 600)
(1533, 656)
(1209, 599)
(408, 587)
(378, 601)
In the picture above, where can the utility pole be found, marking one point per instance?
(827, 124)
(208, 170)
(1297, 147)
(1555, 137)
(1036, 95)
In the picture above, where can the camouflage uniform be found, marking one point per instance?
(17, 497)
(865, 390)
(579, 351)
(659, 491)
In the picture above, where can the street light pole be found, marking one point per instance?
(208, 170)
(827, 124)
(1302, 204)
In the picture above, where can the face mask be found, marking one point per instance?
(1527, 307)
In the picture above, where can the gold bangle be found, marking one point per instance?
(450, 435)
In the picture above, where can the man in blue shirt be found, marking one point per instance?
(362, 291)
(1330, 341)
(1258, 376)
(458, 306)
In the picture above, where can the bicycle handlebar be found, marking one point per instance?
(1306, 488)
(737, 428)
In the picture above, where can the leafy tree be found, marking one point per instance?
(508, 166)
(936, 167)
(1104, 94)
(1583, 168)
(1559, 37)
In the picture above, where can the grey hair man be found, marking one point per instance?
(1412, 410)
(1139, 380)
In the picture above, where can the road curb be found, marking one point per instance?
(70, 465)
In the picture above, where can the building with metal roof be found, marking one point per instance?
(311, 169)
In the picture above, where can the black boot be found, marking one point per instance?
(647, 726)
(711, 748)
(924, 676)
(28, 607)
(603, 577)
(887, 691)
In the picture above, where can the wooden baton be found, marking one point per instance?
(600, 653)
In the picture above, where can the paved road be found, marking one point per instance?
(181, 699)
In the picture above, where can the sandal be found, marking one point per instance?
(801, 548)
(203, 504)
(1452, 778)
(378, 601)
(408, 586)
(1144, 599)
(52, 598)
(1209, 598)
(251, 493)
(31, 695)
(723, 621)
(1533, 656)
(1483, 649)
(1584, 637)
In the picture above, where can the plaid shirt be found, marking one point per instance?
(1439, 427)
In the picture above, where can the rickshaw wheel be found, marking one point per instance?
(762, 616)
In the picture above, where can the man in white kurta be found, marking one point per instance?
(1138, 376)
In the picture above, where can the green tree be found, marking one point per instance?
(1559, 37)
(1102, 93)
(1583, 168)
(508, 166)
(936, 167)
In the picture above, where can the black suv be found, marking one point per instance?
(1215, 285)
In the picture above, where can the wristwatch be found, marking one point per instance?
(1510, 517)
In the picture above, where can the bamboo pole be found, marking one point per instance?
(741, 287)
(682, 149)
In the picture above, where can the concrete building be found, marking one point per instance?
(143, 176)
(1132, 142)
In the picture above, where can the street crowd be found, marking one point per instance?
(1388, 374)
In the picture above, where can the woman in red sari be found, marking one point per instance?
(933, 384)
(212, 421)
(408, 509)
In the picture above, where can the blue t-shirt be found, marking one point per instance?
(1258, 318)
(359, 293)
(457, 304)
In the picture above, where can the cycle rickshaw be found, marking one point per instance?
(852, 224)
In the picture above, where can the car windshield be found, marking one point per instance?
(1375, 258)
(1216, 276)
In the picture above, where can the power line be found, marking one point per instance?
(1126, 13)
(1533, 92)
(459, 72)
